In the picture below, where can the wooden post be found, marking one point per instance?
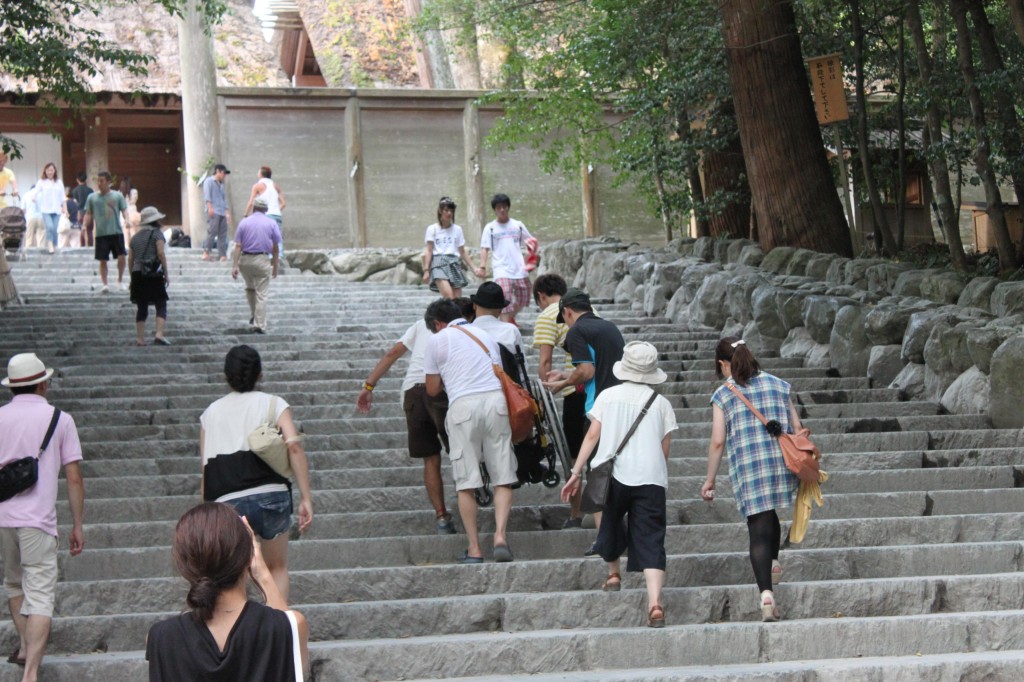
(591, 227)
(844, 178)
(474, 170)
(96, 150)
(198, 112)
(356, 173)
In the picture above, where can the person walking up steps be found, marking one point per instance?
(761, 483)
(106, 208)
(256, 238)
(30, 426)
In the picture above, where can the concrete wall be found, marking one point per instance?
(411, 148)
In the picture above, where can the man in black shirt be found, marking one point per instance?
(594, 345)
(80, 193)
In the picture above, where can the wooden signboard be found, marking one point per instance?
(829, 93)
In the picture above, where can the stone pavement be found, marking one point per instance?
(912, 570)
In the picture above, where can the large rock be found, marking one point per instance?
(1007, 299)
(978, 293)
(819, 357)
(910, 381)
(735, 250)
(776, 259)
(798, 344)
(850, 348)
(945, 355)
(655, 299)
(710, 304)
(819, 314)
(817, 266)
(721, 251)
(884, 364)
(1006, 379)
(317, 262)
(791, 306)
(399, 274)
(855, 273)
(739, 294)
(358, 266)
(751, 255)
(798, 262)
(604, 269)
(767, 315)
(882, 276)
(942, 287)
(692, 280)
(704, 249)
(918, 328)
(983, 342)
(624, 290)
(968, 394)
(909, 283)
(836, 273)
(887, 321)
(759, 342)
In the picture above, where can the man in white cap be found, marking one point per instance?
(30, 426)
(257, 238)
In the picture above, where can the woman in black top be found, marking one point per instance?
(149, 288)
(225, 637)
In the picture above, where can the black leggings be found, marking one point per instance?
(142, 310)
(765, 539)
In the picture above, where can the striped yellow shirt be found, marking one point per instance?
(548, 332)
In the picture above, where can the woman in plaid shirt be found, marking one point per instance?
(761, 483)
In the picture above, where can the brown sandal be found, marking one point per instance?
(613, 583)
(656, 617)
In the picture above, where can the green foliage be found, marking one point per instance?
(41, 43)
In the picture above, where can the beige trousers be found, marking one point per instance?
(256, 271)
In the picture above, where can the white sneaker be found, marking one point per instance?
(122, 286)
(105, 289)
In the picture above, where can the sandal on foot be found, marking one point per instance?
(776, 572)
(656, 617)
(769, 609)
(502, 554)
(16, 659)
(613, 583)
(161, 341)
(466, 559)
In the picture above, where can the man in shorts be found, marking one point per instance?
(477, 421)
(28, 521)
(505, 238)
(424, 415)
(106, 209)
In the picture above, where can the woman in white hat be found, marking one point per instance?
(149, 282)
(634, 420)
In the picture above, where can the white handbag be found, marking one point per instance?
(267, 443)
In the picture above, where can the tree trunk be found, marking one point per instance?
(943, 193)
(883, 234)
(794, 198)
(198, 111)
(982, 163)
(725, 171)
(901, 155)
(700, 209)
(1017, 16)
(992, 62)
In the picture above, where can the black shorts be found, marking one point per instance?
(424, 418)
(574, 422)
(634, 519)
(109, 244)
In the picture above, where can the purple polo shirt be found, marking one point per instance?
(23, 424)
(258, 234)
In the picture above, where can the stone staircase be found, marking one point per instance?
(912, 570)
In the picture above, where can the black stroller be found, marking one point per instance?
(12, 231)
(536, 456)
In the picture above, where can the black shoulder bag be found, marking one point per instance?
(150, 268)
(22, 474)
(595, 492)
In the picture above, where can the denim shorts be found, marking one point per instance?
(269, 514)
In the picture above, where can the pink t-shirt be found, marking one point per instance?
(23, 424)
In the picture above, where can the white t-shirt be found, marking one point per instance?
(415, 339)
(462, 364)
(50, 195)
(505, 333)
(641, 462)
(271, 196)
(447, 240)
(227, 424)
(505, 242)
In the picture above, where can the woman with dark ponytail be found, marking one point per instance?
(225, 636)
(233, 474)
(761, 483)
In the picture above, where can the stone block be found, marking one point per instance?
(819, 357)
(887, 322)
(1007, 384)
(751, 255)
(918, 329)
(798, 343)
(910, 381)
(721, 251)
(978, 293)
(766, 312)
(855, 272)
(704, 249)
(624, 290)
(884, 364)
(776, 259)
(819, 314)
(316, 262)
(850, 348)
(983, 342)
(604, 271)
(818, 264)
(735, 250)
(797, 263)
(942, 287)
(738, 294)
(655, 301)
(1007, 299)
(759, 342)
(968, 394)
(882, 277)
(709, 305)
(909, 282)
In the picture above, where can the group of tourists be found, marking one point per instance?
(612, 415)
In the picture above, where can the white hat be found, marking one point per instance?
(150, 215)
(25, 369)
(639, 363)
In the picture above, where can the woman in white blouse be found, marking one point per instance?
(52, 203)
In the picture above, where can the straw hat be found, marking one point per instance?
(639, 363)
(150, 215)
(25, 369)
